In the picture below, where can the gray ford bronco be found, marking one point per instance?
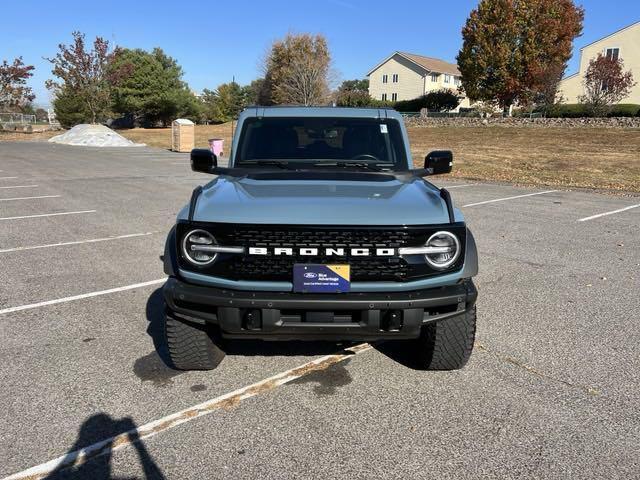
(320, 229)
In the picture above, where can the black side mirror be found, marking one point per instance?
(439, 162)
(203, 160)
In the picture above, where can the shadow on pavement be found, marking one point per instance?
(400, 351)
(95, 429)
(155, 313)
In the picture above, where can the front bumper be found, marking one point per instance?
(297, 316)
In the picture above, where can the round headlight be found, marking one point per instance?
(445, 250)
(196, 247)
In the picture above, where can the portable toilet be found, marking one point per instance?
(183, 133)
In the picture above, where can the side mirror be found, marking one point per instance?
(203, 160)
(439, 162)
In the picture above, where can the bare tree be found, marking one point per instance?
(605, 83)
(305, 83)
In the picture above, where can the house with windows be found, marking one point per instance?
(404, 76)
(623, 44)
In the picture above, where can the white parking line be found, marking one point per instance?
(19, 186)
(77, 242)
(508, 198)
(28, 198)
(80, 297)
(7, 178)
(226, 401)
(460, 186)
(609, 213)
(48, 215)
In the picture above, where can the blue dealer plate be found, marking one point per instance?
(311, 278)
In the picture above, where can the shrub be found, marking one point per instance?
(413, 105)
(569, 110)
(442, 100)
(625, 110)
(578, 110)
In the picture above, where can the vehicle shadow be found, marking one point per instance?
(400, 351)
(155, 311)
(97, 464)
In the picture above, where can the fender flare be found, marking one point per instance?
(170, 254)
(470, 268)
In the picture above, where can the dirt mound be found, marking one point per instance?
(93, 136)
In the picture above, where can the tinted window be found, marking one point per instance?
(311, 140)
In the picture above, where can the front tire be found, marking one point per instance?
(191, 346)
(447, 345)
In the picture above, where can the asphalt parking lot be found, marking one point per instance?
(551, 390)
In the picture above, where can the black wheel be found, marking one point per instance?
(191, 346)
(447, 345)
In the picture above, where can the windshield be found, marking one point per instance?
(320, 142)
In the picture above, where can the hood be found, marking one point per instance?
(320, 202)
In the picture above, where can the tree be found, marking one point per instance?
(149, 86)
(224, 103)
(547, 98)
(70, 108)
(41, 115)
(83, 73)
(14, 93)
(255, 91)
(353, 93)
(297, 71)
(605, 83)
(510, 47)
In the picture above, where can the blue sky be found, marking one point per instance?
(213, 41)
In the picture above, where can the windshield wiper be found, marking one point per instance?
(374, 167)
(276, 163)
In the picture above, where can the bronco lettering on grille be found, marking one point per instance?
(329, 252)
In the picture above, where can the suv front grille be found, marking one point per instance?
(280, 267)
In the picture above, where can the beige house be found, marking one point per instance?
(404, 76)
(624, 44)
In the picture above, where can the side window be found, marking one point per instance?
(385, 78)
(384, 96)
(395, 78)
(434, 77)
(447, 78)
(613, 53)
(394, 97)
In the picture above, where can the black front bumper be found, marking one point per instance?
(298, 316)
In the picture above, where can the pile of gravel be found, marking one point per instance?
(93, 136)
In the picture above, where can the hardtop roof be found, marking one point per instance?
(339, 112)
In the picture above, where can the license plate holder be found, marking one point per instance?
(317, 278)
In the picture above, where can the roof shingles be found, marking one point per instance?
(432, 64)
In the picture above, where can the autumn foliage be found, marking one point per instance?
(83, 77)
(605, 83)
(512, 48)
(14, 93)
(297, 70)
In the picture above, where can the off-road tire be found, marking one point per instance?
(191, 346)
(447, 345)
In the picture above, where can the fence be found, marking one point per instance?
(17, 118)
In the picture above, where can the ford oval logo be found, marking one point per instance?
(310, 275)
